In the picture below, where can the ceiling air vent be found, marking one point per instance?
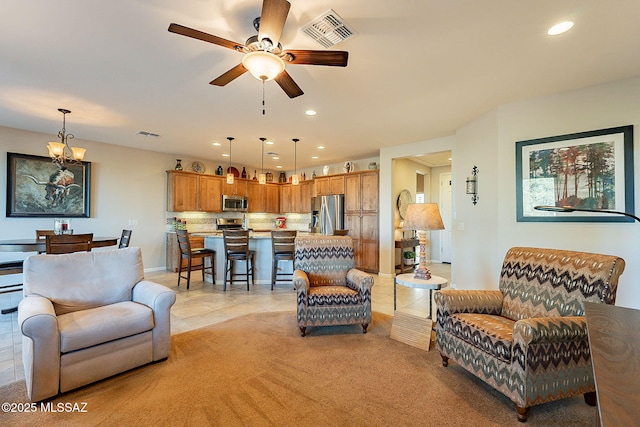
(328, 29)
(149, 134)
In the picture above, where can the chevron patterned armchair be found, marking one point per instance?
(528, 339)
(330, 291)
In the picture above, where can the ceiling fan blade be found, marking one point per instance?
(332, 58)
(287, 84)
(272, 19)
(229, 76)
(199, 35)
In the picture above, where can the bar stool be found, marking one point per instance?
(282, 249)
(236, 248)
(186, 252)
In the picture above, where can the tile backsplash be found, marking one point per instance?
(202, 222)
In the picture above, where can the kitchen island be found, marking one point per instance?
(259, 241)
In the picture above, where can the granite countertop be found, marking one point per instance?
(261, 234)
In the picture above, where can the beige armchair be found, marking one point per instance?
(87, 316)
(529, 339)
(330, 291)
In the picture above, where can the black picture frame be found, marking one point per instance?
(592, 170)
(37, 187)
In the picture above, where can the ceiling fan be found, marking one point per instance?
(264, 57)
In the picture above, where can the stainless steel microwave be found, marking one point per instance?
(234, 203)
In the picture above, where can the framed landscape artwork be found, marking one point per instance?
(36, 187)
(588, 170)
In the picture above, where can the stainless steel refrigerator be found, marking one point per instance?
(327, 214)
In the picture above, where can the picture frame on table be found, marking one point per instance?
(589, 170)
(37, 187)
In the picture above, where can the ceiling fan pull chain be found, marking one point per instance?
(263, 107)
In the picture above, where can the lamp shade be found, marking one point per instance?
(423, 216)
(263, 65)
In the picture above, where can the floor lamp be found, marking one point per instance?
(422, 217)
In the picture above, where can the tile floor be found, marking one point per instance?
(205, 304)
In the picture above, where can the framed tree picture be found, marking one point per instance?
(588, 170)
(36, 187)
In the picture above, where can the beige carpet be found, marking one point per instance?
(256, 370)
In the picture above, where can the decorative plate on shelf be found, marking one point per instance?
(198, 167)
(234, 171)
(404, 198)
(348, 167)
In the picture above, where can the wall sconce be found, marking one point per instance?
(472, 185)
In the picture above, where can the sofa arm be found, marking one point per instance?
(359, 281)
(549, 329)
(301, 281)
(40, 346)
(466, 301)
(159, 299)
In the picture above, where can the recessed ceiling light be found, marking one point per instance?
(225, 155)
(314, 157)
(276, 158)
(279, 167)
(217, 144)
(560, 28)
(320, 147)
(311, 112)
(269, 142)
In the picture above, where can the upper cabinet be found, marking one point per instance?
(328, 185)
(182, 191)
(188, 191)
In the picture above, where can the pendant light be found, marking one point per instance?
(262, 178)
(295, 179)
(230, 175)
(61, 152)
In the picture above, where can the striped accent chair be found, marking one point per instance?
(528, 339)
(330, 291)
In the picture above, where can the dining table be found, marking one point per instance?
(39, 245)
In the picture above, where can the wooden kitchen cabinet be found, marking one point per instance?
(238, 188)
(256, 197)
(189, 191)
(334, 184)
(286, 203)
(210, 194)
(305, 197)
(182, 191)
(361, 211)
(272, 198)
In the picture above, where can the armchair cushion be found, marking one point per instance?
(97, 278)
(333, 295)
(86, 328)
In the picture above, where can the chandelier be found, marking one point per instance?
(60, 152)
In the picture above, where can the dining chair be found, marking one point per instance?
(188, 253)
(41, 234)
(124, 239)
(236, 248)
(68, 243)
(282, 249)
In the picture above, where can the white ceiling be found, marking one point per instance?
(418, 69)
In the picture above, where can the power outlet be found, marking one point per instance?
(133, 222)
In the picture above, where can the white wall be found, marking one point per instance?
(126, 184)
(483, 233)
(599, 107)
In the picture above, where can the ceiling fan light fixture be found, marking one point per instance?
(262, 65)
